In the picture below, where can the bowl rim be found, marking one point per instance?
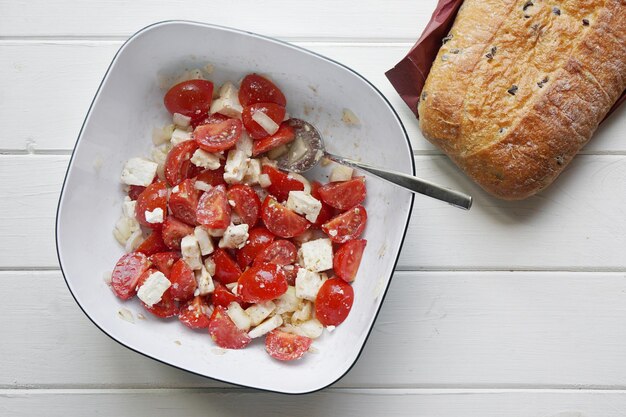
(273, 40)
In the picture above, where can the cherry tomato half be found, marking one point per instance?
(261, 283)
(184, 201)
(183, 281)
(257, 89)
(225, 333)
(210, 119)
(280, 252)
(347, 259)
(345, 194)
(247, 204)
(346, 226)
(226, 270)
(164, 261)
(286, 346)
(191, 98)
(280, 220)
(153, 197)
(126, 274)
(221, 296)
(174, 231)
(283, 136)
(333, 302)
(273, 111)
(282, 183)
(218, 137)
(153, 244)
(193, 314)
(326, 212)
(213, 209)
(177, 164)
(212, 177)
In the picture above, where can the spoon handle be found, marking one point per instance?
(411, 183)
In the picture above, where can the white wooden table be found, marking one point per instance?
(512, 309)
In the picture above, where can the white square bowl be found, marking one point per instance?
(118, 126)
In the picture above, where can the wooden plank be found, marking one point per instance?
(577, 224)
(345, 403)
(35, 75)
(435, 330)
(348, 19)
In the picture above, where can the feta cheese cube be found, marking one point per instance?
(180, 136)
(308, 284)
(204, 159)
(317, 255)
(204, 240)
(151, 291)
(209, 264)
(287, 302)
(191, 252)
(128, 207)
(341, 173)
(202, 186)
(311, 328)
(239, 316)
(253, 172)
(139, 171)
(155, 216)
(303, 313)
(181, 120)
(304, 204)
(235, 168)
(228, 102)
(235, 236)
(245, 144)
(259, 312)
(264, 180)
(266, 327)
(204, 282)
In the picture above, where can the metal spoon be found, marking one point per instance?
(308, 149)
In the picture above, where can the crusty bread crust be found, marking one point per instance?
(520, 86)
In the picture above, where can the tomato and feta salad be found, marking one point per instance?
(221, 239)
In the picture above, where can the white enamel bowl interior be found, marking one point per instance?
(118, 126)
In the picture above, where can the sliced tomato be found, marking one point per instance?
(164, 261)
(346, 226)
(280, 220)
(193, 314)
(191, 98)
(212, 177)
(286, 346)
(208, 120)
(291, 273)
(333, 302)
(347, 259)
(344, 194)
(283, 136)
(174, 231)
(184, 201)
(153, 197)
(225, 333)
(218, 137)
(280, 252)
(165, 308)
(213, 209)
(183, 281)
(134, 191)
(246, 203)
(257, 89)
(226, 270)
(261, 283)
(153, 244)
(177, 164)
(126, 274)
(326, 212)
(259, 238)
(221, 296)
(282, 183)
(273, 111)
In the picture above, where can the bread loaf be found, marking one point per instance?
(519, 86)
